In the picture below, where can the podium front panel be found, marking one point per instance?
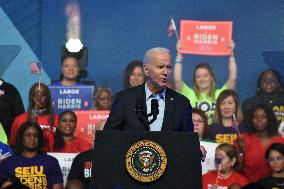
(183, 160)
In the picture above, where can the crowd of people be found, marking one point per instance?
(250, 150)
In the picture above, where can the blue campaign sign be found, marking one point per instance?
(72, 97)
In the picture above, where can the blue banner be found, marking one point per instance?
(72, 97)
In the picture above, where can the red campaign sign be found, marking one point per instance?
(87, 121)
(206, 37)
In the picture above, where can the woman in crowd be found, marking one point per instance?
(32, 167)
(270, 91)
(227, 115)
(200, 123)
(224, 175)
(203, 93)
(261, 132)
(275, 158)
(102, 98)
(70, 72)
(133, 74)
(65, 139)
(40, 110)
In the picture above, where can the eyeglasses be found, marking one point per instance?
(276, 159)
(269, 80)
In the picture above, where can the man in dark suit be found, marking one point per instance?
(131, 105)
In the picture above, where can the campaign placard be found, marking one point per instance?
(90, 121)
(209, 163)
(65, 161)
(206, 37)
(72, 97)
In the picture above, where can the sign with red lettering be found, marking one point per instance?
(206, 37)
(88, 122)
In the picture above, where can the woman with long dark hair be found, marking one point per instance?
(262, 131)
(40, 110)
(65, 139)
(32, 167)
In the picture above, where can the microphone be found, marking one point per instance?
(154, 110)
(139, 110)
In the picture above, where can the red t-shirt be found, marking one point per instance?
(76, 146)
(210, 178)
(43, 121)
(255, 166)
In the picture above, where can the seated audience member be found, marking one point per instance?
(11, 106)
(70, 72)
(224, 175)
(200, 123)
(40, 110)
(275, 158)
(270, 91)
(261, 126)
(32, 167)
(203, 93)
(102, 98)
(65, 140)
(81, 168)
(227, 116)
(133, 74)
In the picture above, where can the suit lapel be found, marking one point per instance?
(141, 94)
(169, 104)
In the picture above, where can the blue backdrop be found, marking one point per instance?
(117, 32)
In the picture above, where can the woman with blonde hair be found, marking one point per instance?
(203, 93)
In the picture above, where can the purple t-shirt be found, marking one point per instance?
(221, 134)
(41, 171)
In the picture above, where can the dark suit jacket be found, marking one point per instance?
(177, 115)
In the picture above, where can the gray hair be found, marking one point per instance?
(101, 89)
(148, 54)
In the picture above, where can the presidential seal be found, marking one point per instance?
(146, 161)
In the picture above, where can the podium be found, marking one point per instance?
(111, 166)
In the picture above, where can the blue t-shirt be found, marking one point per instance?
(5, 150)
(41, 171)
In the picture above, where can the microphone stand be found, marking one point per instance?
(143, 117)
